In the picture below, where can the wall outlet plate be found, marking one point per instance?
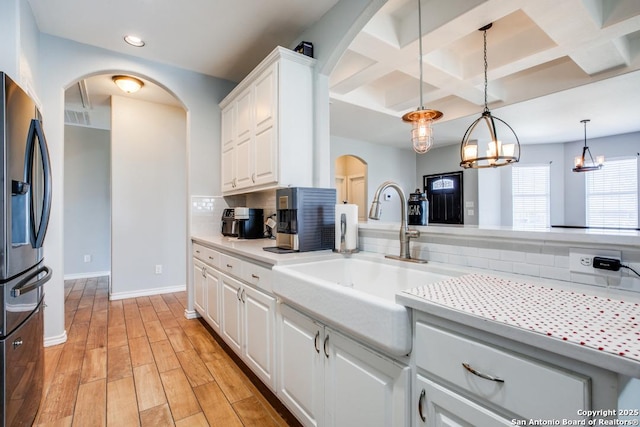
(581, 260)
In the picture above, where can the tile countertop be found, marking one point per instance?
(595, 326)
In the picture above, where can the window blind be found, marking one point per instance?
(612, 194)
(530, 192)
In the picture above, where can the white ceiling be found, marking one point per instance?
(551, 63)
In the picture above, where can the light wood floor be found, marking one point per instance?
(140, 362)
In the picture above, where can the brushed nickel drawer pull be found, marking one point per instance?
(316, 342)
(482, 375)
(326, 341)
(255, 276)
(229, 266)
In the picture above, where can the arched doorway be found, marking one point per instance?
(351, 183)
(125, 186)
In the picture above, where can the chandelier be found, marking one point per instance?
(579, 161)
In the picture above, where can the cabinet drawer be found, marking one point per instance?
(206, 255)
(257, 275)
(529, 389)
(230, 265)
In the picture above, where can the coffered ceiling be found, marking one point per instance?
(551, 64)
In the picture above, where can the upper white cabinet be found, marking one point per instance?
(267, 126)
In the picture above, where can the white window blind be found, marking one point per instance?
(530, 192)
(612, 194)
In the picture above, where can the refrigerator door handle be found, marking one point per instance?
(35, 131)
(24, 286)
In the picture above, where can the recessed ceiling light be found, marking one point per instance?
(134, 40)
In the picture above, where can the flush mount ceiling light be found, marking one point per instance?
(579, 161)
(421, 118)
(128, 84)
(134, 40)
(486, 149)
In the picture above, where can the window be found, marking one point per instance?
(612, 194)
(530, 191)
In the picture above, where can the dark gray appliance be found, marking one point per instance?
(25, 204)
(250, 222)
(228, 223)
(306, 218)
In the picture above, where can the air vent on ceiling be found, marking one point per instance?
(78, 118)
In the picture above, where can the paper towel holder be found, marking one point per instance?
(343, 233)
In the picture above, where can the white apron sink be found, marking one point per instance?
(357, 295)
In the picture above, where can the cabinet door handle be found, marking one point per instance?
(423, 395)
(238, 294)
(243, 296)
(326, 342)
(253, 177)
(481, 374)
(204, 272)
(255, 276)
(316, 342)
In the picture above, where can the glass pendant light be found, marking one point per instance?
(421, 118)
(485, 147)
(579, 161)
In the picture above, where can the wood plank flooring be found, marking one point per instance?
(139, 362)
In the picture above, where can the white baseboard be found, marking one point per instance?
(58, 339)
(89, 275)
(147, 292)
(191, 314)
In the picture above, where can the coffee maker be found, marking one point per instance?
(305, 218)
(250, 223)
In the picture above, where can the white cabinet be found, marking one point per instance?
(441, 407)
(199, 286)
(212, 286)
(248, 326)
(327, 379)
(267, 126)
(485, 376)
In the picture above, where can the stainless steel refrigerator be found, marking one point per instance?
(25, 198)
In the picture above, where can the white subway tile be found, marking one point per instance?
(489, 253)
(540, 259)
(458, 260)
(561, 261)
(555, 273)
(478, 262)
(514, 256)
(526, 269)
(498, 265)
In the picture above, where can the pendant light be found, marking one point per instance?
(579, 161)
(421, 118)
(486, 147)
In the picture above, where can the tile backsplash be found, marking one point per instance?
(529, 258)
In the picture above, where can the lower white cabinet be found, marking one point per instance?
(327, 379)
(437, 406)
(199, 286)
(248, 326)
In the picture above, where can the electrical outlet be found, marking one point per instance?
(158, 268)
(581, 260)
(87, 258)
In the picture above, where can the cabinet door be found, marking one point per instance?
(363, 388)
(231, 313)
(266, 138)
(199, 279)
(300, 365)
(228, 168)
(259, 320)
(437, 406)
(213, 299)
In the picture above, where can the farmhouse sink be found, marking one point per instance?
(356, 294)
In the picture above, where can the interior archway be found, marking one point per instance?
(351, 183)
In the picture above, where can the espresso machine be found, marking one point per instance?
(305, 219)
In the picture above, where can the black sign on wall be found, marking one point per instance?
(444, 192)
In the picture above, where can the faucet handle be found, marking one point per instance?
(413, 233)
